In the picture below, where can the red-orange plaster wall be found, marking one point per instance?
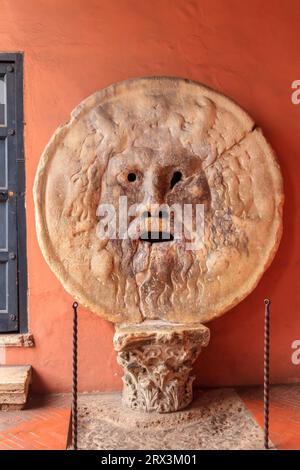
(249, 51)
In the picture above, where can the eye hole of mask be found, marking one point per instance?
(175, 178)
(131, 177)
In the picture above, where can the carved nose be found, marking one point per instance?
(153, 190)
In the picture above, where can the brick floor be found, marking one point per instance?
(44, 425)
(284, 426)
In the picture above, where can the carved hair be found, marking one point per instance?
(109, 133)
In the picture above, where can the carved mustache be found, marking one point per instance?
(161, 229)
(150, 229)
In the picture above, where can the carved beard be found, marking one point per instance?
(155, 274)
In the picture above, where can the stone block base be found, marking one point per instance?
(157, 358)
(14, 386)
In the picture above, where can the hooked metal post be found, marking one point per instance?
(266, 372)
(74, 381)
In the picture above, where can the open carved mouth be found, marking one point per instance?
(156, 237)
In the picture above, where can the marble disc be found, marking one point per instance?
(159, 141)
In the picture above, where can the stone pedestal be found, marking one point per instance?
(157, 358)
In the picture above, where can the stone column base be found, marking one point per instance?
(157, 358)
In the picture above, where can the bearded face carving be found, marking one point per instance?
(159, 143)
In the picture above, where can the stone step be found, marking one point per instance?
(14, 385)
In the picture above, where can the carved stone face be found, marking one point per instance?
(159, 141)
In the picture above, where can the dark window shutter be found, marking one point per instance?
(11, 194)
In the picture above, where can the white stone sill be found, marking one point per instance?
(19, 340)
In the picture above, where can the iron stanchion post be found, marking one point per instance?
(266, 372)
(74, 381)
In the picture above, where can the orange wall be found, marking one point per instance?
(249, 51)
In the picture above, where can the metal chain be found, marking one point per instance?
(74, 384)
(266, 373)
